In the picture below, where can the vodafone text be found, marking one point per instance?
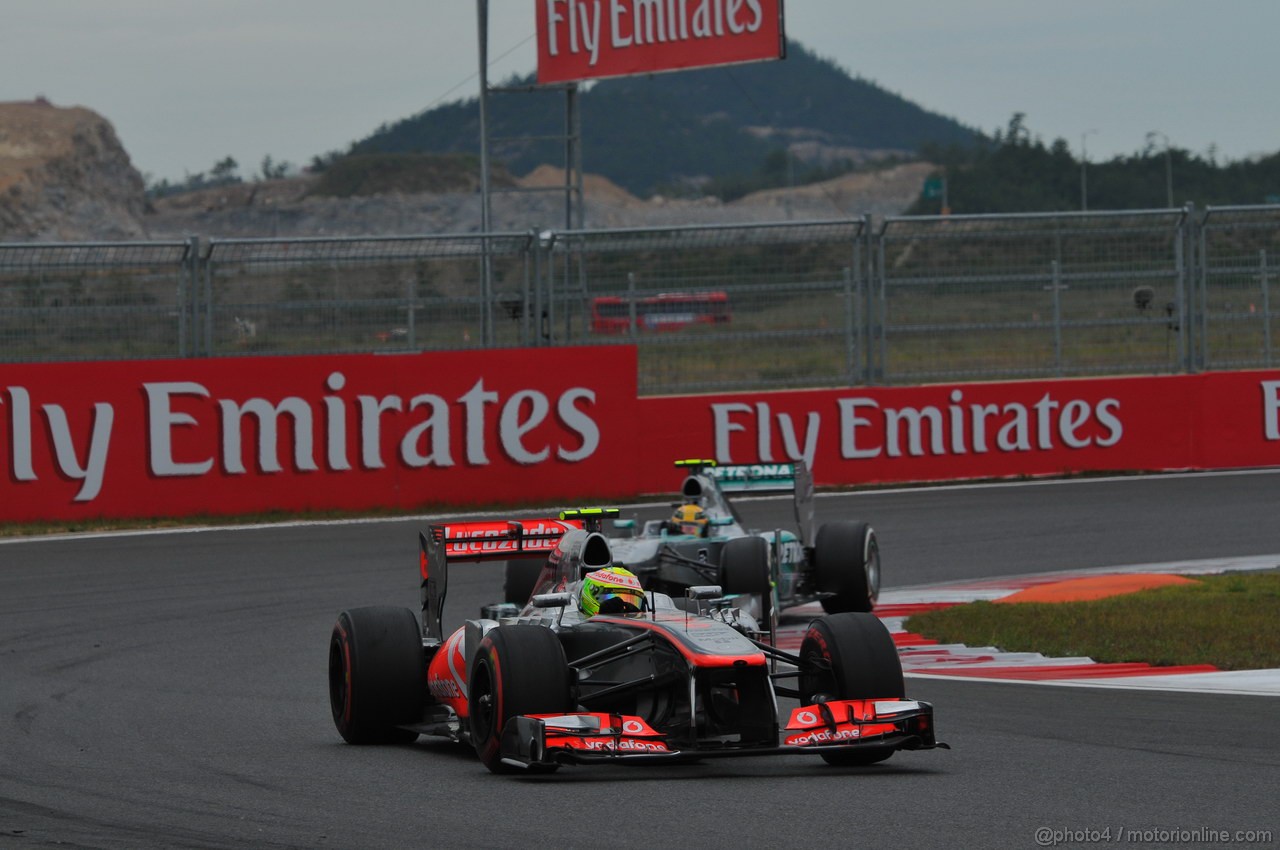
(867, 429)
(576, 25)
(428, 423)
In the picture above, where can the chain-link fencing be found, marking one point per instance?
(715, 307)
(1031, 295)
(343, 295)
(95, 300)
(1239, 269)
(794, 304)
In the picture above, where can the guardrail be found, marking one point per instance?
(826, 303)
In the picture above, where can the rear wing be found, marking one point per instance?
(793, 477)
(489, 540)
(756, 477)
(477, 541)
(496, 539)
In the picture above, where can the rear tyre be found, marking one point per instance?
(744, 566)
(376, 675)
(521, 578)
(850, 656)
(516, 670)
(847, 563)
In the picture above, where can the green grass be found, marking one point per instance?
(1229, 620)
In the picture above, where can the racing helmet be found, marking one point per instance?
(613, 590)
(690, 519)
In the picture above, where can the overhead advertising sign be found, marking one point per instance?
(591, 39)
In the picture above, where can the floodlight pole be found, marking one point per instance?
(486, 259)
(1084, 162)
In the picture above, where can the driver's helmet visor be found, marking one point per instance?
(620, 600)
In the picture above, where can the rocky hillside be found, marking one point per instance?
(64, 176)
(289, 208)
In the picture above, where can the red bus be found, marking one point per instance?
(667, 311)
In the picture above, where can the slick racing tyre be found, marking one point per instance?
(744, 566)
(516, 670)
(847, 563)
(376, 675)
(850, 656)
(521, 578)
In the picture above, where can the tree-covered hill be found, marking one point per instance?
(1015, 172)
(667, 129)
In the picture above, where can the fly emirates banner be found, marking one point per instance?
(456, 429)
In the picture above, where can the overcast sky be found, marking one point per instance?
(188, 82)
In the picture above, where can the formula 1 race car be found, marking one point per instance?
(683, 679)
(837, 565)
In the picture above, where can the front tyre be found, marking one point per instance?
(850, 656)
(846, 559)
(376, 674)
(516, 670)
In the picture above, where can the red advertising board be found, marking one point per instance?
(971, 431)
(230, 436)
(247, 435)
(591, 39)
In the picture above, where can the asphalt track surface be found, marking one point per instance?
(169, 690)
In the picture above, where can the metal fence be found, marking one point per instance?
(312, 296)
(95, 300)
(798, 304)
(1031, 295)
(1239, 252)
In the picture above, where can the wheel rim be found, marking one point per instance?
(817, 677)
(481, 702)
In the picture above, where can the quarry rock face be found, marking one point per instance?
(64, 176)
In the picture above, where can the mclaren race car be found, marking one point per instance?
(706, 542)
(675, 679)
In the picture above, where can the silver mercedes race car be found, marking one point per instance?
(705, 542)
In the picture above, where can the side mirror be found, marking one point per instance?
(552, 600)
(704, 591)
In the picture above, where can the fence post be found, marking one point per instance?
(526, 306)
(1056, 283)
(850, 338)
(877, 309)
(631, 305)
(411, 313)
(1193, 297)
(549, 326)
(1266, 307)
(1197, 318)
(188, 283)
(206, 305)
(539, 260)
